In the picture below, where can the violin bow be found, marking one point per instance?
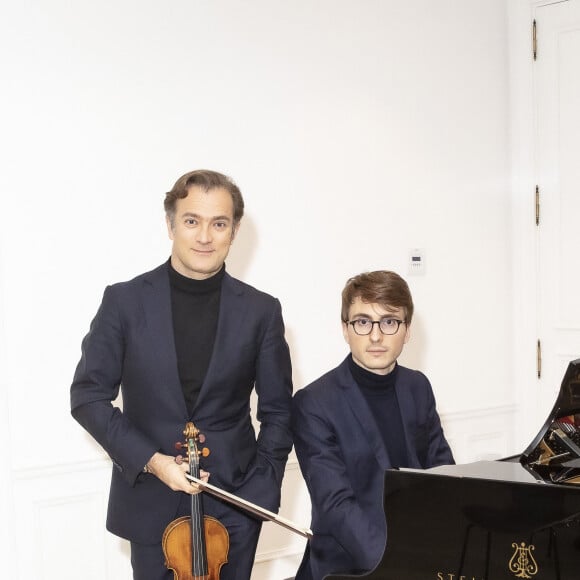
(249, 506)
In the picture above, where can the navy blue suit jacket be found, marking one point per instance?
(130, 345)
(343, 459)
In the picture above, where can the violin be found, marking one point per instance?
(195, 547)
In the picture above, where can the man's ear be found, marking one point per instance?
(169, 227)
(407, 333)
(345, 332)
(234, 232)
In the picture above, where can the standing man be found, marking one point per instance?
(187, 342)
(367, 415)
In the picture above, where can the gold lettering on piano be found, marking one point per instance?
(450, 576)
(522, 563)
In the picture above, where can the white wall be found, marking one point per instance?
(357, 131)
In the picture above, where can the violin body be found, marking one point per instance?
(177, 548)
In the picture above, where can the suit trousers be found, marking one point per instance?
(148, 561)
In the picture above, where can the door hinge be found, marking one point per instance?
(539, 359)
(535, 39)
(537, 205)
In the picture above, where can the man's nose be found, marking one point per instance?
(376, 333)
(204, 233)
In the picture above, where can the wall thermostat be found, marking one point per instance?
(416, 262)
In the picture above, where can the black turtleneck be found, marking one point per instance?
(195, 308)
(381, 396)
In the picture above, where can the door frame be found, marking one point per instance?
(525, 251)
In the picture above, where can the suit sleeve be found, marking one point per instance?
(330, 487)
(95, 386)
(274, 390)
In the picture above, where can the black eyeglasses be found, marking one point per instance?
(364, 326)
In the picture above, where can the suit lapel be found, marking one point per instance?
(230, 321)
(408, 417)
(159, 323)
(363, 415)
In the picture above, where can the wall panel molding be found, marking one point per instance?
(477, 434)
(75, 495)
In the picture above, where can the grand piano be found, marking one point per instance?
(491, 520)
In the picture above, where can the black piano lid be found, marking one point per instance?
(567, 403)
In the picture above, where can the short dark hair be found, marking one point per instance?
(206, 180)
(381, 287)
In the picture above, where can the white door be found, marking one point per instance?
(557, 99)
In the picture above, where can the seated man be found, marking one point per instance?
(367, 415)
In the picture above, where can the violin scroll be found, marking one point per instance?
(192, 437)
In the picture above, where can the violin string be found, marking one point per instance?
(197, 539)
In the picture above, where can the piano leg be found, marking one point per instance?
(470, 528)
(487, 553)
(553, 545)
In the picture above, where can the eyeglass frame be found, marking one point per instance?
(373, 322)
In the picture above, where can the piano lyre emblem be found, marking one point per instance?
(522, 563)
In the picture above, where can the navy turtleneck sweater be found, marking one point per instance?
(381, 396)
(195, 309)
